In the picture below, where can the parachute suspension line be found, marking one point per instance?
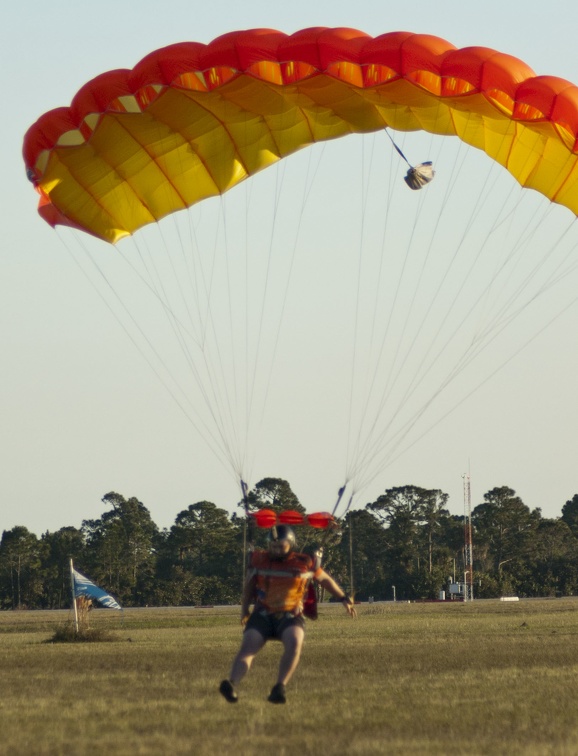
(158, 286)
(260, 362)
(501, 315)
(176, 277)
(205, 385)
(247, 196)
(416, 381)
(494, 329)
(200, 426)
(453, 259)
(361, 449)
(353, 450)
(196, 274)
(253, 361)
(292, 256)
(264, 298)
(367, 393)
(309, 180)
(458, 369)
(479, 335)
(437, 292)
(356, 336)
(239, 432)
(248, 454)
(392, 377)
(209, 371)
(218, 374)
(378, 443)
(218, 406)
(226, 397)
(179, 331)
(479, 385)
(392, 382)
(517, 251)
(489, 293)
(214, 384)
(427, 314)
(203, 322)
(571, 254)
(356, 327)
(392, 180)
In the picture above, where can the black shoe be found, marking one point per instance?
(277, 694)
(227, 690)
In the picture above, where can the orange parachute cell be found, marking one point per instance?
(190, 121)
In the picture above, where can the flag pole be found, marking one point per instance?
(73, 597)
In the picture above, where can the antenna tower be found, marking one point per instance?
(468, 550)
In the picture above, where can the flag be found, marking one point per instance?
(82, 586)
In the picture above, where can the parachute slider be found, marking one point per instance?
(268, 518)
(419, 175)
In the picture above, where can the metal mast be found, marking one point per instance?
(468, 550)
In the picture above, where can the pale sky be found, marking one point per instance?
(82, 414)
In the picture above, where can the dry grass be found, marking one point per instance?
(483, 678)
(67, 634)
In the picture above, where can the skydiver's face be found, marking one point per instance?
(279, 549)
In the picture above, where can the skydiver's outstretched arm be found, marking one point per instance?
(327, 582)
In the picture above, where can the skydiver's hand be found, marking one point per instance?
(350, 609)
(245, 618)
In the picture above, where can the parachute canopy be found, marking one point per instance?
(191, 120)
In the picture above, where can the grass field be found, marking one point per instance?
(480, 678)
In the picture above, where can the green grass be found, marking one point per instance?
(481, 678)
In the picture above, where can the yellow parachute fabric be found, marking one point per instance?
(191, 121)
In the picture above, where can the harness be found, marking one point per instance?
(281, 585)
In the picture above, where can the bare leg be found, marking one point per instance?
(252, 643)
(292, 640)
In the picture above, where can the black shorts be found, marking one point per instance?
(272, 626)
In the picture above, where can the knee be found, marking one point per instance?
(293, 644)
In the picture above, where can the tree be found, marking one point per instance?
(552, 562)
(57, 550)
(570, 514)
(121, 548)
(505, 526)
(432, 513)
(204, 538)
(204, 553)
(364, 551)
(21, 583)
(413, 517)
(275, 494)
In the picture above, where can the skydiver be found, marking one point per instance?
(276, 582)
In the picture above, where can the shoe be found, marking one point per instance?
(228, 692)
(277, 694)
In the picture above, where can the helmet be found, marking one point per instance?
(282, 533)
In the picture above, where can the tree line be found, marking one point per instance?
(406, 538)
